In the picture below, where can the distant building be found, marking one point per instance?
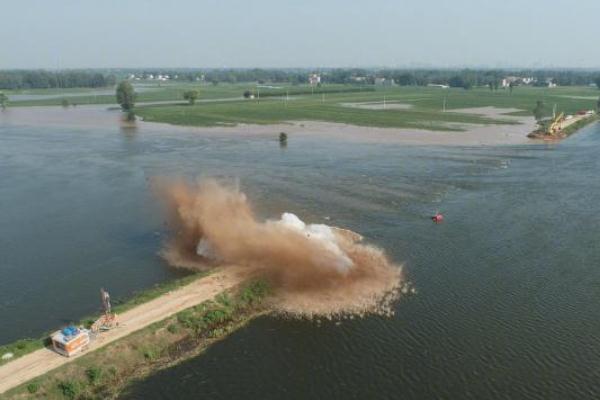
(506, 82)
(384, 82)
(314, 79)
(438, 85)
(516, 80)
(528, 80)
(550, 82)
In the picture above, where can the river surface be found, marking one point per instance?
(508, 287)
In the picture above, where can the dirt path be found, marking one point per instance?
(41, 361)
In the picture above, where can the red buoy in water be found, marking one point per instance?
(437, 218)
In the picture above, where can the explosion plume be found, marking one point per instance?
(315, 270)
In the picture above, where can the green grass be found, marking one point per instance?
(25, 346)
(569, 130)
(327, 104)
(425, 112)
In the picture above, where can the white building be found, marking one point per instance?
(438, 86)
(384, 82)
(314, 79)
(528, 80)
(506, 82)
(516, 80)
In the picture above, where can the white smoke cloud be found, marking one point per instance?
(320, 234)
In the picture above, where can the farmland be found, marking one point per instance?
(396, 107)
(412, 107)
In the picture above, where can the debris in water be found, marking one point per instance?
(437, 218)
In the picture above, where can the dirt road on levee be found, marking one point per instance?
(42, 361)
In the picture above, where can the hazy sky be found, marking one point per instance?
(308, 33)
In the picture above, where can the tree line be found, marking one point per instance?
(42, 79)
(465, 78)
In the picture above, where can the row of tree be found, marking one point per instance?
(418, 77)
(41, 79)
(466, 78)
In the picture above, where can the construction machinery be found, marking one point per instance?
(555, 125)
(109, 319)
(73, 340)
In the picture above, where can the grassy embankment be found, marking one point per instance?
(25, 346)
(106, 372)
(571, 129)
(425, 110)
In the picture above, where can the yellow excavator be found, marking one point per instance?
(555, 125)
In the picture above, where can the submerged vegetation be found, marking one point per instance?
(106, 372)
(126, 96)
(283, 139)
(3, 100)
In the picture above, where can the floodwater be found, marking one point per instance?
(16, 97)
(508, 287)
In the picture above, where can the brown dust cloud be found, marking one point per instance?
(314, 269)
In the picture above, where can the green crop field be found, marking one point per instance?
(406, 107)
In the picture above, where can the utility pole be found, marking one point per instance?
(444, 106)
(58, 84)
